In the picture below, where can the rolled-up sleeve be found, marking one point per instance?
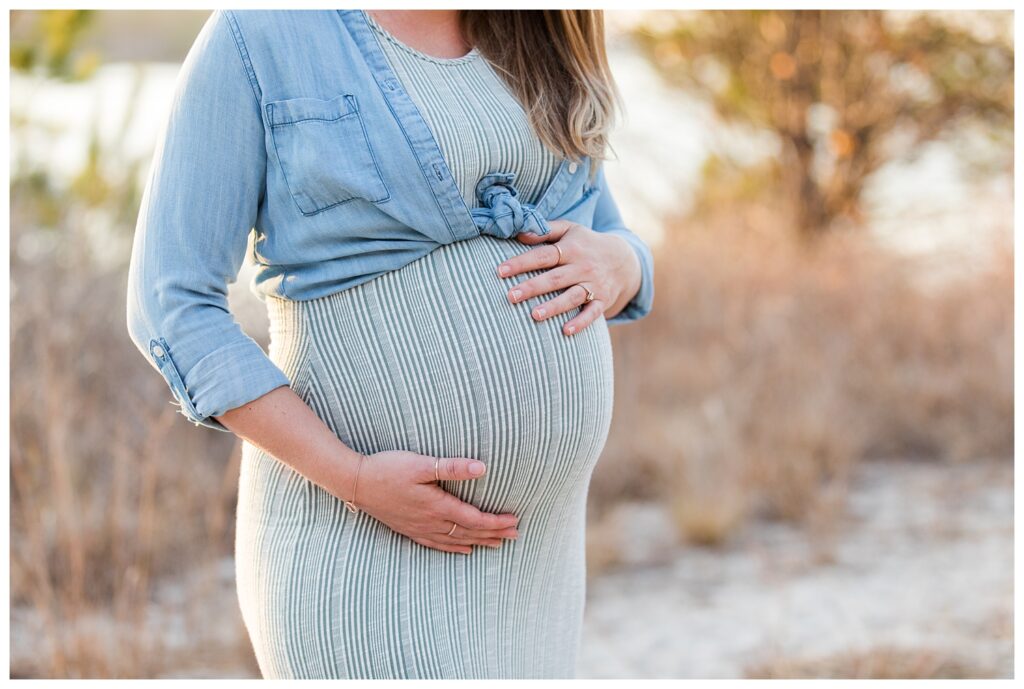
(198, 207)
(607, 218)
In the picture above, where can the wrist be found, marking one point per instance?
(352, 501)
(350, 465)
(336, 469)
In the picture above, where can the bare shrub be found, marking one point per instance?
(768, 368)
(111, 489)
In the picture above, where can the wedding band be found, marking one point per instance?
(436, 476)
(453, 528)
(590, 295)
(559, 262)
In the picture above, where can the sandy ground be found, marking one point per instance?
(923, 569)
(919, 582)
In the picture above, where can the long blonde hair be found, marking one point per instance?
(555, 62)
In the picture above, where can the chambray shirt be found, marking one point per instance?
(291, 125)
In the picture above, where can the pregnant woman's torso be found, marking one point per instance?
(432, 357)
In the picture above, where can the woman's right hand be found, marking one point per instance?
(399, 489)
(396, 487)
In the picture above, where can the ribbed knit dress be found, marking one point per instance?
(433, 358)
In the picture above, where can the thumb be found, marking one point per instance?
(455, 468)
(557, 227)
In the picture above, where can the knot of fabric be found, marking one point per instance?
(502, 215)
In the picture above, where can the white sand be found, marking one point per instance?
(924, 563)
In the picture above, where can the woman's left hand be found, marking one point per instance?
(603, 263)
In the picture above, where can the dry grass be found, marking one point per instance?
(110, 489)
(768, 368)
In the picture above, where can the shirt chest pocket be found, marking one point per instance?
(324, 153)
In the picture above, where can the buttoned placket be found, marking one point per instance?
(462, 222)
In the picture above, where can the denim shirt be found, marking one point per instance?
(291, 125)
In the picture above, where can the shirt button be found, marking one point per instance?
(573, 167)
(159, 351)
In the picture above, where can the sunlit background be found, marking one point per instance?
(810, 467)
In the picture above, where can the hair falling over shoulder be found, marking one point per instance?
(556, 63)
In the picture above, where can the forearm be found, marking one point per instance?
(284, 426)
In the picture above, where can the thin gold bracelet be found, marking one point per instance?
(351, 504)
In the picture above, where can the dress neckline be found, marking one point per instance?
(468, 57)
(447, 194)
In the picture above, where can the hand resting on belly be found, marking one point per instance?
(396, 487)
(601, 268)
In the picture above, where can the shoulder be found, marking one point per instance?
(269, 27)
(280, 48)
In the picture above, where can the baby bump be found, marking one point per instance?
(434, 359)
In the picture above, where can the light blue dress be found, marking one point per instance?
(384, 187)
(432, 358)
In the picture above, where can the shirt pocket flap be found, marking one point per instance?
(324, 152)
(294, 110)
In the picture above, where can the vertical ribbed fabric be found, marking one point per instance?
(478, 123)
(430, 358)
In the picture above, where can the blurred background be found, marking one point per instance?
(810, 467)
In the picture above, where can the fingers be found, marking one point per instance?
(463, 536)
(538, 258)
(588, 314)
(575, 296)
(469, 517)
(453, 509)
(451, 469)
(557, 228)
(461, 533)
(462, 540)
(472, 526)
(448, 548)
(548, 281)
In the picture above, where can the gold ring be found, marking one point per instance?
(590, 295)
(436, 476)
(559, 261)
(453, 528)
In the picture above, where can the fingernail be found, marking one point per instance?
(516, 294)
(571, 329)
(476, 468)
(504, 270)
(539, 313)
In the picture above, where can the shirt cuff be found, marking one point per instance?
(641, 303)
(224, 379)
